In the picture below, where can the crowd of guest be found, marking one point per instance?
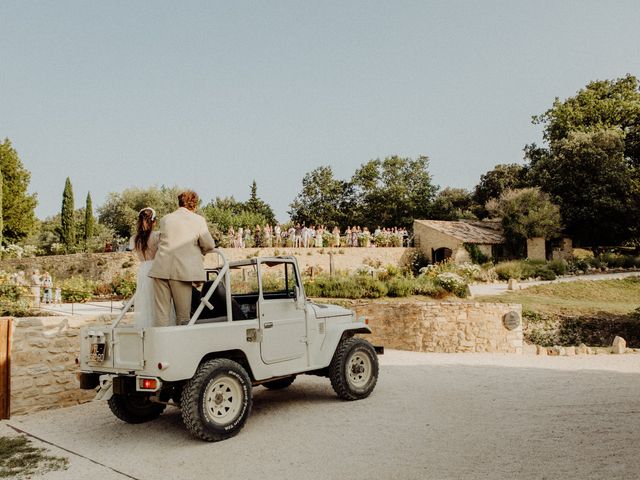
(318, 236)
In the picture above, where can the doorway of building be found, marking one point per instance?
(441, 254)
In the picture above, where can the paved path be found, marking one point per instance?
(500, 288)
(432, 416)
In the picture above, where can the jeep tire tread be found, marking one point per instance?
(354, 369)
(135, 408)
(217, 401)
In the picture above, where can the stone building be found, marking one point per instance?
(440, 240)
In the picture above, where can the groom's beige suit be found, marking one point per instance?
(184, 239)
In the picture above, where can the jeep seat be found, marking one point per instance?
(219, 301)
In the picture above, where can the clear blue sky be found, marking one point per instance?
(211, 95)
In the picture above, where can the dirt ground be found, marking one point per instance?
(432, 416)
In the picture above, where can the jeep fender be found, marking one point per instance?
(336, 333)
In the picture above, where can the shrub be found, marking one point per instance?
(559, 267)
(452, 282)
(343, 286)
(400, 286)
(509, 270)
(471, 271)
(124, 285)
(77, 289)
(544, 273)
(102, 289)
(427, 286)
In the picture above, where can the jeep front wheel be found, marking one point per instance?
(354, 369)
(216, 402)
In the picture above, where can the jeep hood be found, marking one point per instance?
(326, 311)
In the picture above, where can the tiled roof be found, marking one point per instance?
(468, 231)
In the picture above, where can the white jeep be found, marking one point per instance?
(251, 325)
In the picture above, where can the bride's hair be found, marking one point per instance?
(146, 219)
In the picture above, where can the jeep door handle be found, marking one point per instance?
(268, 324)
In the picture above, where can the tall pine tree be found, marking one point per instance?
(68, 230)
(89, 221)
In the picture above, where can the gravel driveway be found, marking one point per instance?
(432, 416)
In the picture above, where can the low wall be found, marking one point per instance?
(44, 349)
(104, 266)
(43, 365)
(449, 327)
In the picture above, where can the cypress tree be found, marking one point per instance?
(89, 221)
(68, 231)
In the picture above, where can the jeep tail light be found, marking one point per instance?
(148, 384)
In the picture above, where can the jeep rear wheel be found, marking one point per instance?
(280, 383)
(354, 369)
(216, 402)
(135, 408)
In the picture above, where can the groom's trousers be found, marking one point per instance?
(180, 292)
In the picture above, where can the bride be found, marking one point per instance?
(145, 245)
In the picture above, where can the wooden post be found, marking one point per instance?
(331, 264)
(5, 367)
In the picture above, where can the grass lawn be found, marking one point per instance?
(581, 297)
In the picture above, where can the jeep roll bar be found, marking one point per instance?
(223, 272)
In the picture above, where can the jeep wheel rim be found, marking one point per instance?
(359, 369)
(223, 399)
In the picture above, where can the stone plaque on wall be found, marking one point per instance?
(511, 320)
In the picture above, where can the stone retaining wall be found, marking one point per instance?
(449, 327)
(43, 365)
(45, 348)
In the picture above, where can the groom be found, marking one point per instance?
(184, 239)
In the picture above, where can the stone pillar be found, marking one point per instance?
(567, 247)
(536, 249)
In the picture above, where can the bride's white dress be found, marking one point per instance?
(143, 306)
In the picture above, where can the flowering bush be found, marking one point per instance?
(12, 251)
(452, 282)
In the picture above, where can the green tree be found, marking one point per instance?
(391, 192)
(257, 206)
(67, 222)
(321, 200)
(18, 206)
(89, 220)
(453, 204)
(591, 161)
(120, 210)
(601, 105)
(525, 213)
(223, 213)
(596, 187)
(492, 183)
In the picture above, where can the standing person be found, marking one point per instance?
(35, 288)
(145, 245)
(336, 236)
(47, 284)
(319, 238)
(57, 297)
(184, 239)
(276, 234)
